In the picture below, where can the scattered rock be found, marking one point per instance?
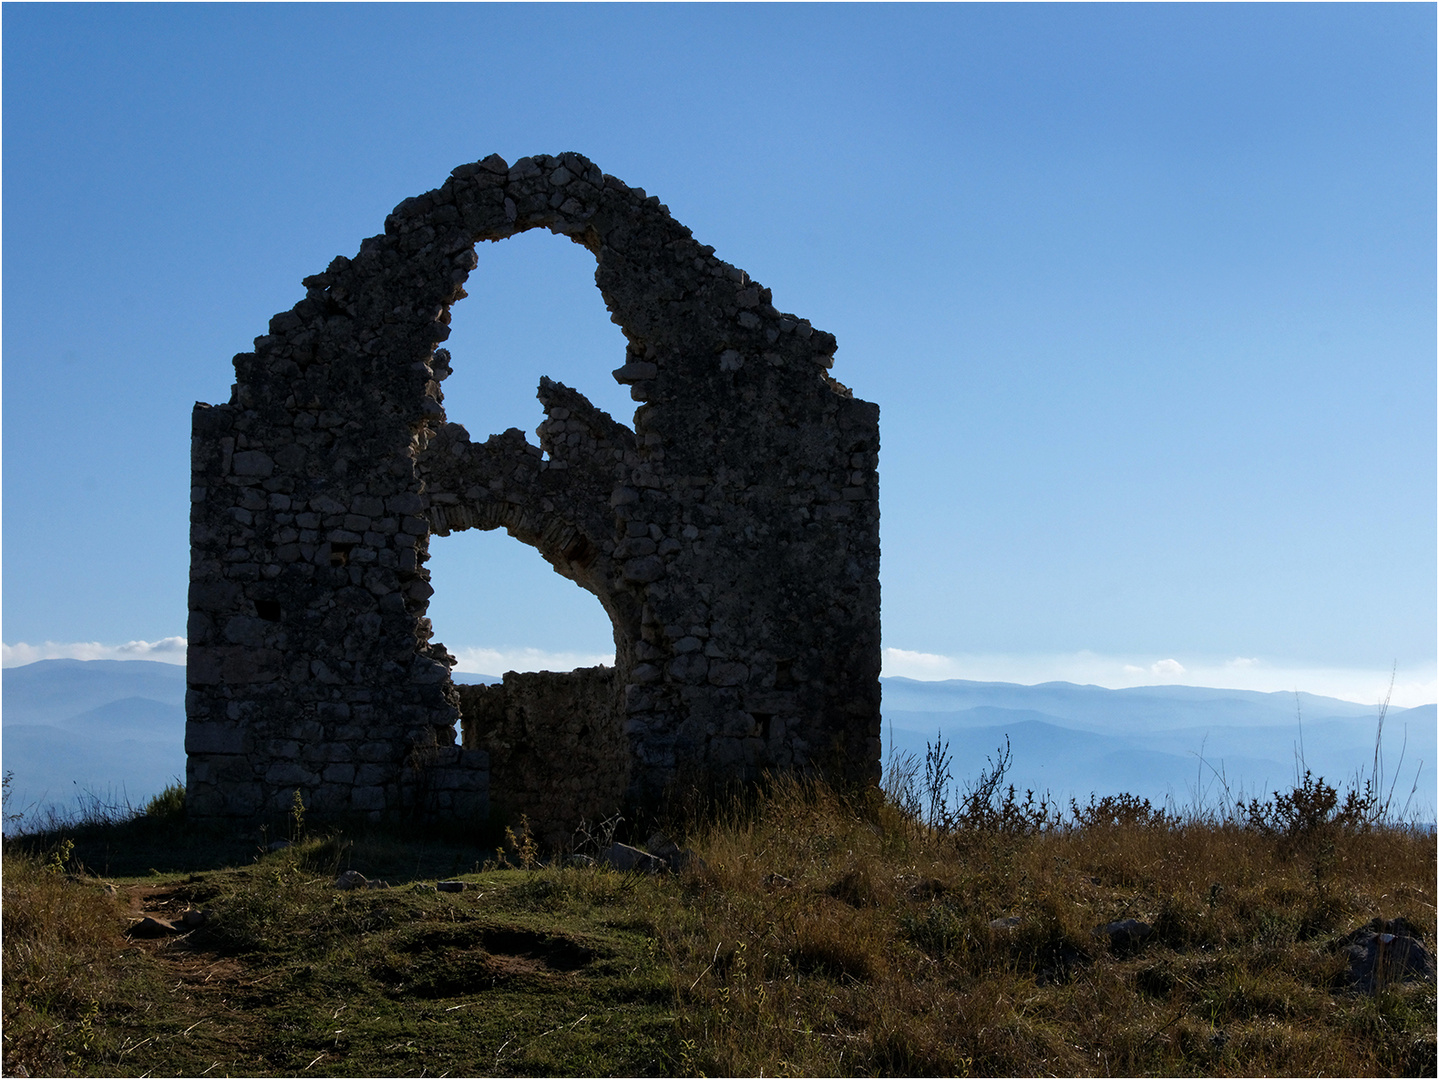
(624, 857)
(1383, 952)
(1126, 935)
(776, 881)
(194, 917)
(351, 879)
(278, 845)
(1007, 922)
(151, 928)
(450, 886)
(679, 859)
(662, 847)
(581, 860)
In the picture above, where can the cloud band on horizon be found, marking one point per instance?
(1412, 685)
(1415, 685)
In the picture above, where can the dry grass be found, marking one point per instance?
(831, 938)
(821, 935)
(65, 963)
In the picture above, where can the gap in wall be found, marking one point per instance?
(532, 310)
(499, 605)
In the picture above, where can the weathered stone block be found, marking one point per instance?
(371, 775)
(231, 665)
(368, 798)
(252, 463)
(289, 774)
(210, 738)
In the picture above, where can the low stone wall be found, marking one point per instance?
(556, 750)
(450, 783)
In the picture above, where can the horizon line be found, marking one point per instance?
(1411, 687)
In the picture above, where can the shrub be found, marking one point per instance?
(169, 805)
(1114, 811)
(1312, 807)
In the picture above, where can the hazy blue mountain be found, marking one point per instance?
(112, 730)
(1069, 763)
(115, 729)
(142, 717)
(1139, 708)
(1167, 744)
(51, 690)
(55, 769)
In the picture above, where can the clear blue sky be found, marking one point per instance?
(1146, 295)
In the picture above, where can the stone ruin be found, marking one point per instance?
(732, 534)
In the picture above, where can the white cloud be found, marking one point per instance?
(170, 650)
(1166, 669)
(1418, 685)
(498, 661)
(921, 665)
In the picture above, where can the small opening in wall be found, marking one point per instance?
(783, 676)
(269, 610)
(340, 554)
(581, 551)
(761, 723)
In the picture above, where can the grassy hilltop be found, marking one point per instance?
(906, 932)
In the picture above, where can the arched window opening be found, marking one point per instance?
(533, 310)
(498, 606)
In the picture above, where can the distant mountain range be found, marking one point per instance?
(73, 729)
(1179, 745)
(115, 730)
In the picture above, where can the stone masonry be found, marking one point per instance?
(732, 534)
(556, 745)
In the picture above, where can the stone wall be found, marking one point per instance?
(556, 749)
(732, 533)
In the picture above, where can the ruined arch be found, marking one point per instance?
(732, 534)
(532, 310)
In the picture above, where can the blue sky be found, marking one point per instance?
(1146, 295)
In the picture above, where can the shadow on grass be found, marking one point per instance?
(147, 845)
